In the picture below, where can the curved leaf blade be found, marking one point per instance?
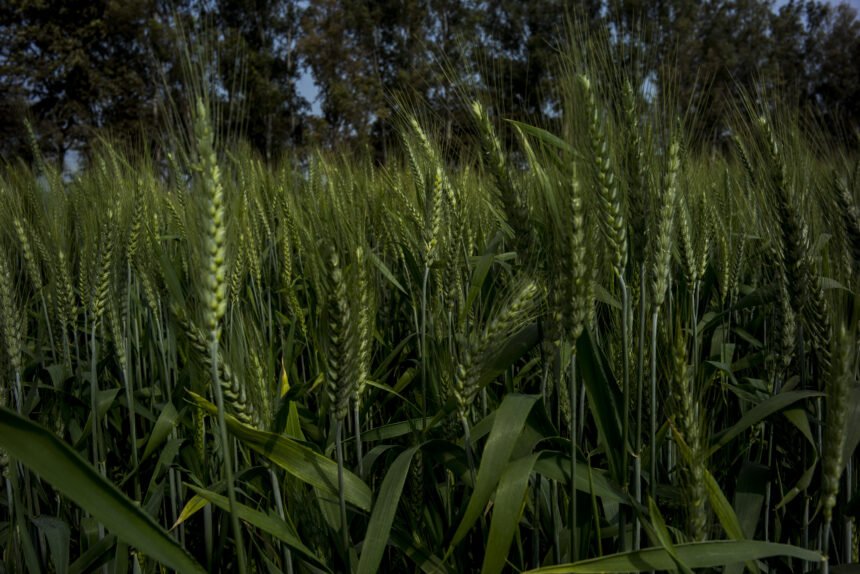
(758, 413)
(42, 452)
(297, 459)
(272, 525)
(508, 425)
(604, 400)
(384, 510)
(506, 512)
(694, 555)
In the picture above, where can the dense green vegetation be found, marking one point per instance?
(609, 348)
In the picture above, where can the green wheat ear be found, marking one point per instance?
(215, 294)
(661, 253)
(10, 319)
(341, 360)
(611, 209)
(476, 355)
(688, 417)
(215, 283)
(515, 207)
(838, 387)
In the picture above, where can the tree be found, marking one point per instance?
(360, 53)
(79, 65)
(13, 134)
(259, 69)
(833, 49)
(519, 43)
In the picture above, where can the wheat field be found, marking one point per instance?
(604, 345)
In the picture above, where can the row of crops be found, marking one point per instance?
(601, 346)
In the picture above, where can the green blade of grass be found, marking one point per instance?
(42, 452)
(384, 510)
(95, 556)
(507, 427)
(557, 467)
(661, 532)
(272, 525)
(167, 419)
(758, 413)
(506, 512)
(544, 136)
(298, 460)
(604, 400)
(694, 555)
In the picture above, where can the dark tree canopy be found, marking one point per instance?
(258, 57)
(76, 67)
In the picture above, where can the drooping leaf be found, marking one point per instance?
(423, 558)
(543, 135)
(749, 500)
(694, 555)
(41, 451)
(758, 413)
(394, 430)
(272, 525)
(58, 535)
(661, 532)
(96, 555)
(104, 400)
(386, 272)
(603, 399)
(297, 459)
(800, 420)
(557, 467)
(167, 419)
(802, 484)
(192, 507)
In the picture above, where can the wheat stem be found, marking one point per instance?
(574, 548)
(215, 298)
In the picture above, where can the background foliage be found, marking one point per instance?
(77, 68)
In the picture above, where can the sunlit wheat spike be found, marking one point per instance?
(661, 253)
(104, 279)
(138, 220)
(611, 209)
(215, 283)
(738, 262)
(687, 247)
(238, 271)
(575, 271)
(807, 295)
(638, 186)
(287, 281)
(366, 317)
(433, 228)
(33, 266)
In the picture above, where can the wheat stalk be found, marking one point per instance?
(838, 386)
(688, 419)
(516, 210)
(215, 292)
